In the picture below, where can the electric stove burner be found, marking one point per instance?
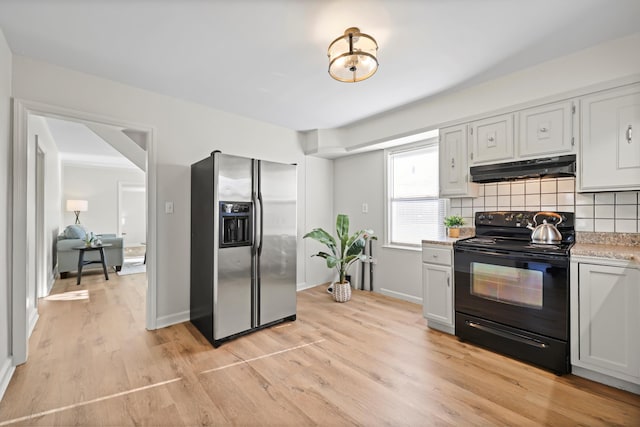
(482, 240)
(542, 246)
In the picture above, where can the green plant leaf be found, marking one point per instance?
(332, 261)
(356, 247)
(342, 227)
(323, 237)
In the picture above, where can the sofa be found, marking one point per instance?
(73, 236)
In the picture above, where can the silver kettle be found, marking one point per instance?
(545, 233)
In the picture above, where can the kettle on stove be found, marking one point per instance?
(545, 233)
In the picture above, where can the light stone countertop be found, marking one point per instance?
(621, 246)
(449, 241)
(599, 250)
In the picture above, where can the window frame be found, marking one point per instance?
(388, 185)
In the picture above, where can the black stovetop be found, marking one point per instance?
(507, 231)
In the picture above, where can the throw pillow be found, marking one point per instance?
(75, 232)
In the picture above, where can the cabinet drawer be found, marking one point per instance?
(436, 255)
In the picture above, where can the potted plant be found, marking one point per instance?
(453, 224)
(343, 252)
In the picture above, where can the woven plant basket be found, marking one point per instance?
(342, 292)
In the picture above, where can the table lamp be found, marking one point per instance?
(77, 206)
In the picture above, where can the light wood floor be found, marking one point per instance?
(371, 361)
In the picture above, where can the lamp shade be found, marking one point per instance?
(77, 205)
(352, 56)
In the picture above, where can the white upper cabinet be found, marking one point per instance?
(546, 130)
(609, 155)
(454, 169)
(492, 139)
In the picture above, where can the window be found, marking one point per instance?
(414, 210)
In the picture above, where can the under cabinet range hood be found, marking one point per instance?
(547, 167)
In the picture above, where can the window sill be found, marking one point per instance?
(403, 248)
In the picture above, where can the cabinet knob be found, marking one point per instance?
(629, 134)
(448, 281)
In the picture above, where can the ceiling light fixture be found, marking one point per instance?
(352, 56)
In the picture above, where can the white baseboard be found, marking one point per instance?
(605, 379)
(33, 319)
(172, 319)
(6, 372)
(302, 286)
(50, 283)
(401, 295)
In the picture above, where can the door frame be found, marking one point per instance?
(40, 261)
(21, 237)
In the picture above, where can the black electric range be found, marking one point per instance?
(512, 295)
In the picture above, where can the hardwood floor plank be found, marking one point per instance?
(371, 361)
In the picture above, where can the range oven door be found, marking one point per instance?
(524, 291)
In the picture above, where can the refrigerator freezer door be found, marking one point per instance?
(232, 285)
(277, 254)
(234, 178)
(232, 304)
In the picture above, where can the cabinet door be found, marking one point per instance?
(609, 317)
(610, 145)
(454, 169)
(546, 130)
(492, 139)
(437, 293)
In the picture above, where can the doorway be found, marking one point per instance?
(132, 219)
(24, 208)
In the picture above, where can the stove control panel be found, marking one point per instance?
(523, 218)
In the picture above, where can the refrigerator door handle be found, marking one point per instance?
(261, 223)
(256, 223)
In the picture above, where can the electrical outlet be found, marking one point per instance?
(168, 207)
(365, 208)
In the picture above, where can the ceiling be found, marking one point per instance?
(266, 59)
(77, 144)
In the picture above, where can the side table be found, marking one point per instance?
(82, 262)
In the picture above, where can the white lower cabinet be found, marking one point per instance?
(605, 321)
(437, 287)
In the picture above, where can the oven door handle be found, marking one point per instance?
(513, 255)
(509, 335)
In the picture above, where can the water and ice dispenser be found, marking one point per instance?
(235, 224)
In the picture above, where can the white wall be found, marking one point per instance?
(99, 186)
(360, 179)
(319, 208)
(185, 133)
(6, 368)
(37, 126)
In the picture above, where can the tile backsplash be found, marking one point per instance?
(599, 212)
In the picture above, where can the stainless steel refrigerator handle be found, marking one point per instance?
(261, 222)
(256, 214)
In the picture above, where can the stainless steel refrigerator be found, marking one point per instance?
(243, 245)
